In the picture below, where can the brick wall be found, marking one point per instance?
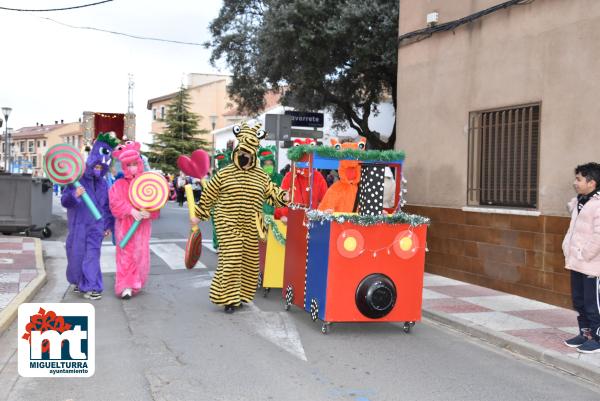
(520, 255)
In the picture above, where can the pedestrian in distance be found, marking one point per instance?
(180, 183)
(84, 240)
(581, 248)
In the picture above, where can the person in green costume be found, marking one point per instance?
(266, 155)
(223, 158)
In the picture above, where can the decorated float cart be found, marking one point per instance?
(355, 267)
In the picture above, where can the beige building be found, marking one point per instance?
(208, 98)
(29, 144)
(494, 115)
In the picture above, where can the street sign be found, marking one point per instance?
(306, 119)
(278, 126)
(305, 133)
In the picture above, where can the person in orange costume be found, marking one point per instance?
(341, 196)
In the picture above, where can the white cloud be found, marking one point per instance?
(51, 72)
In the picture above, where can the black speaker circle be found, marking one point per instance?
(375, 296)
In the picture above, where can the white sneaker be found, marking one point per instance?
(126, 294)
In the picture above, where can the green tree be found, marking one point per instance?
(180, 137)
(339, 55)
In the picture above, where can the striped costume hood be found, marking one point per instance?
(248, 142)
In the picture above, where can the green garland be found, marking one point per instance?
(107, 138)
(396, 218)
(274, 229)
(296, 152)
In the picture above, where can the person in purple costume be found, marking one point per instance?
(85, 232)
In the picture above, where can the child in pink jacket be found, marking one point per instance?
(133, 261)
(581, 247)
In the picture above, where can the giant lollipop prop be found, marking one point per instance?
(148, 191)
(63, 165)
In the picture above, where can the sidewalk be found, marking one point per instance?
(22, 274)
(524, 326)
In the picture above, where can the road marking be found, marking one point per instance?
(6, 261)
(173, 255)
(108, 259)
(276, 327)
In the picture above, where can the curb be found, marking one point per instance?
(548, 357)
(8, 314)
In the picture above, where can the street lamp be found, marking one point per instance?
(6, 112)
(213, 121)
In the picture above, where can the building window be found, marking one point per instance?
(503, 160)
(22, 146)
(44, 143)
(162, 112)
(38, 144)
(30, 147)
(34, 161)
(154, 114)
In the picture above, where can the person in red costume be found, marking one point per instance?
(302, 186)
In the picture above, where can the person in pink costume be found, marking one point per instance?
(133, 262)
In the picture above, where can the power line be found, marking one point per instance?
(418, 35)
(56, 9)
(122, 34)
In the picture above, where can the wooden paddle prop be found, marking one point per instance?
(197, 166)
(193, 248)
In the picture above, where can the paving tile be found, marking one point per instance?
(574, 330)
(10, 240)
(498, 321)
(434, 281)
(27, 275)
(9, 287)
(12, 277)
(428, 294)
(466, 290)
(5, 298)
(452, 305)
(505, 303)
(16, 246)
(549, 338)
(557, 317)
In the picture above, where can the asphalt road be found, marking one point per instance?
(171, 343)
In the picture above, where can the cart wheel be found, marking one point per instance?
(46, 232)
(407, 326)
(266, 292)
(325, 327)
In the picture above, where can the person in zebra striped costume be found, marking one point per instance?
(237, 193)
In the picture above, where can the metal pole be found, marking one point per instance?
(277, 143)
(7, 144)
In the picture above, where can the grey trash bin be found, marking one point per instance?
(25, 204)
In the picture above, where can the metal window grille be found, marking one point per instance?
(503, 165)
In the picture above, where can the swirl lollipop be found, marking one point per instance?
(63, 164)
(148, 191)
